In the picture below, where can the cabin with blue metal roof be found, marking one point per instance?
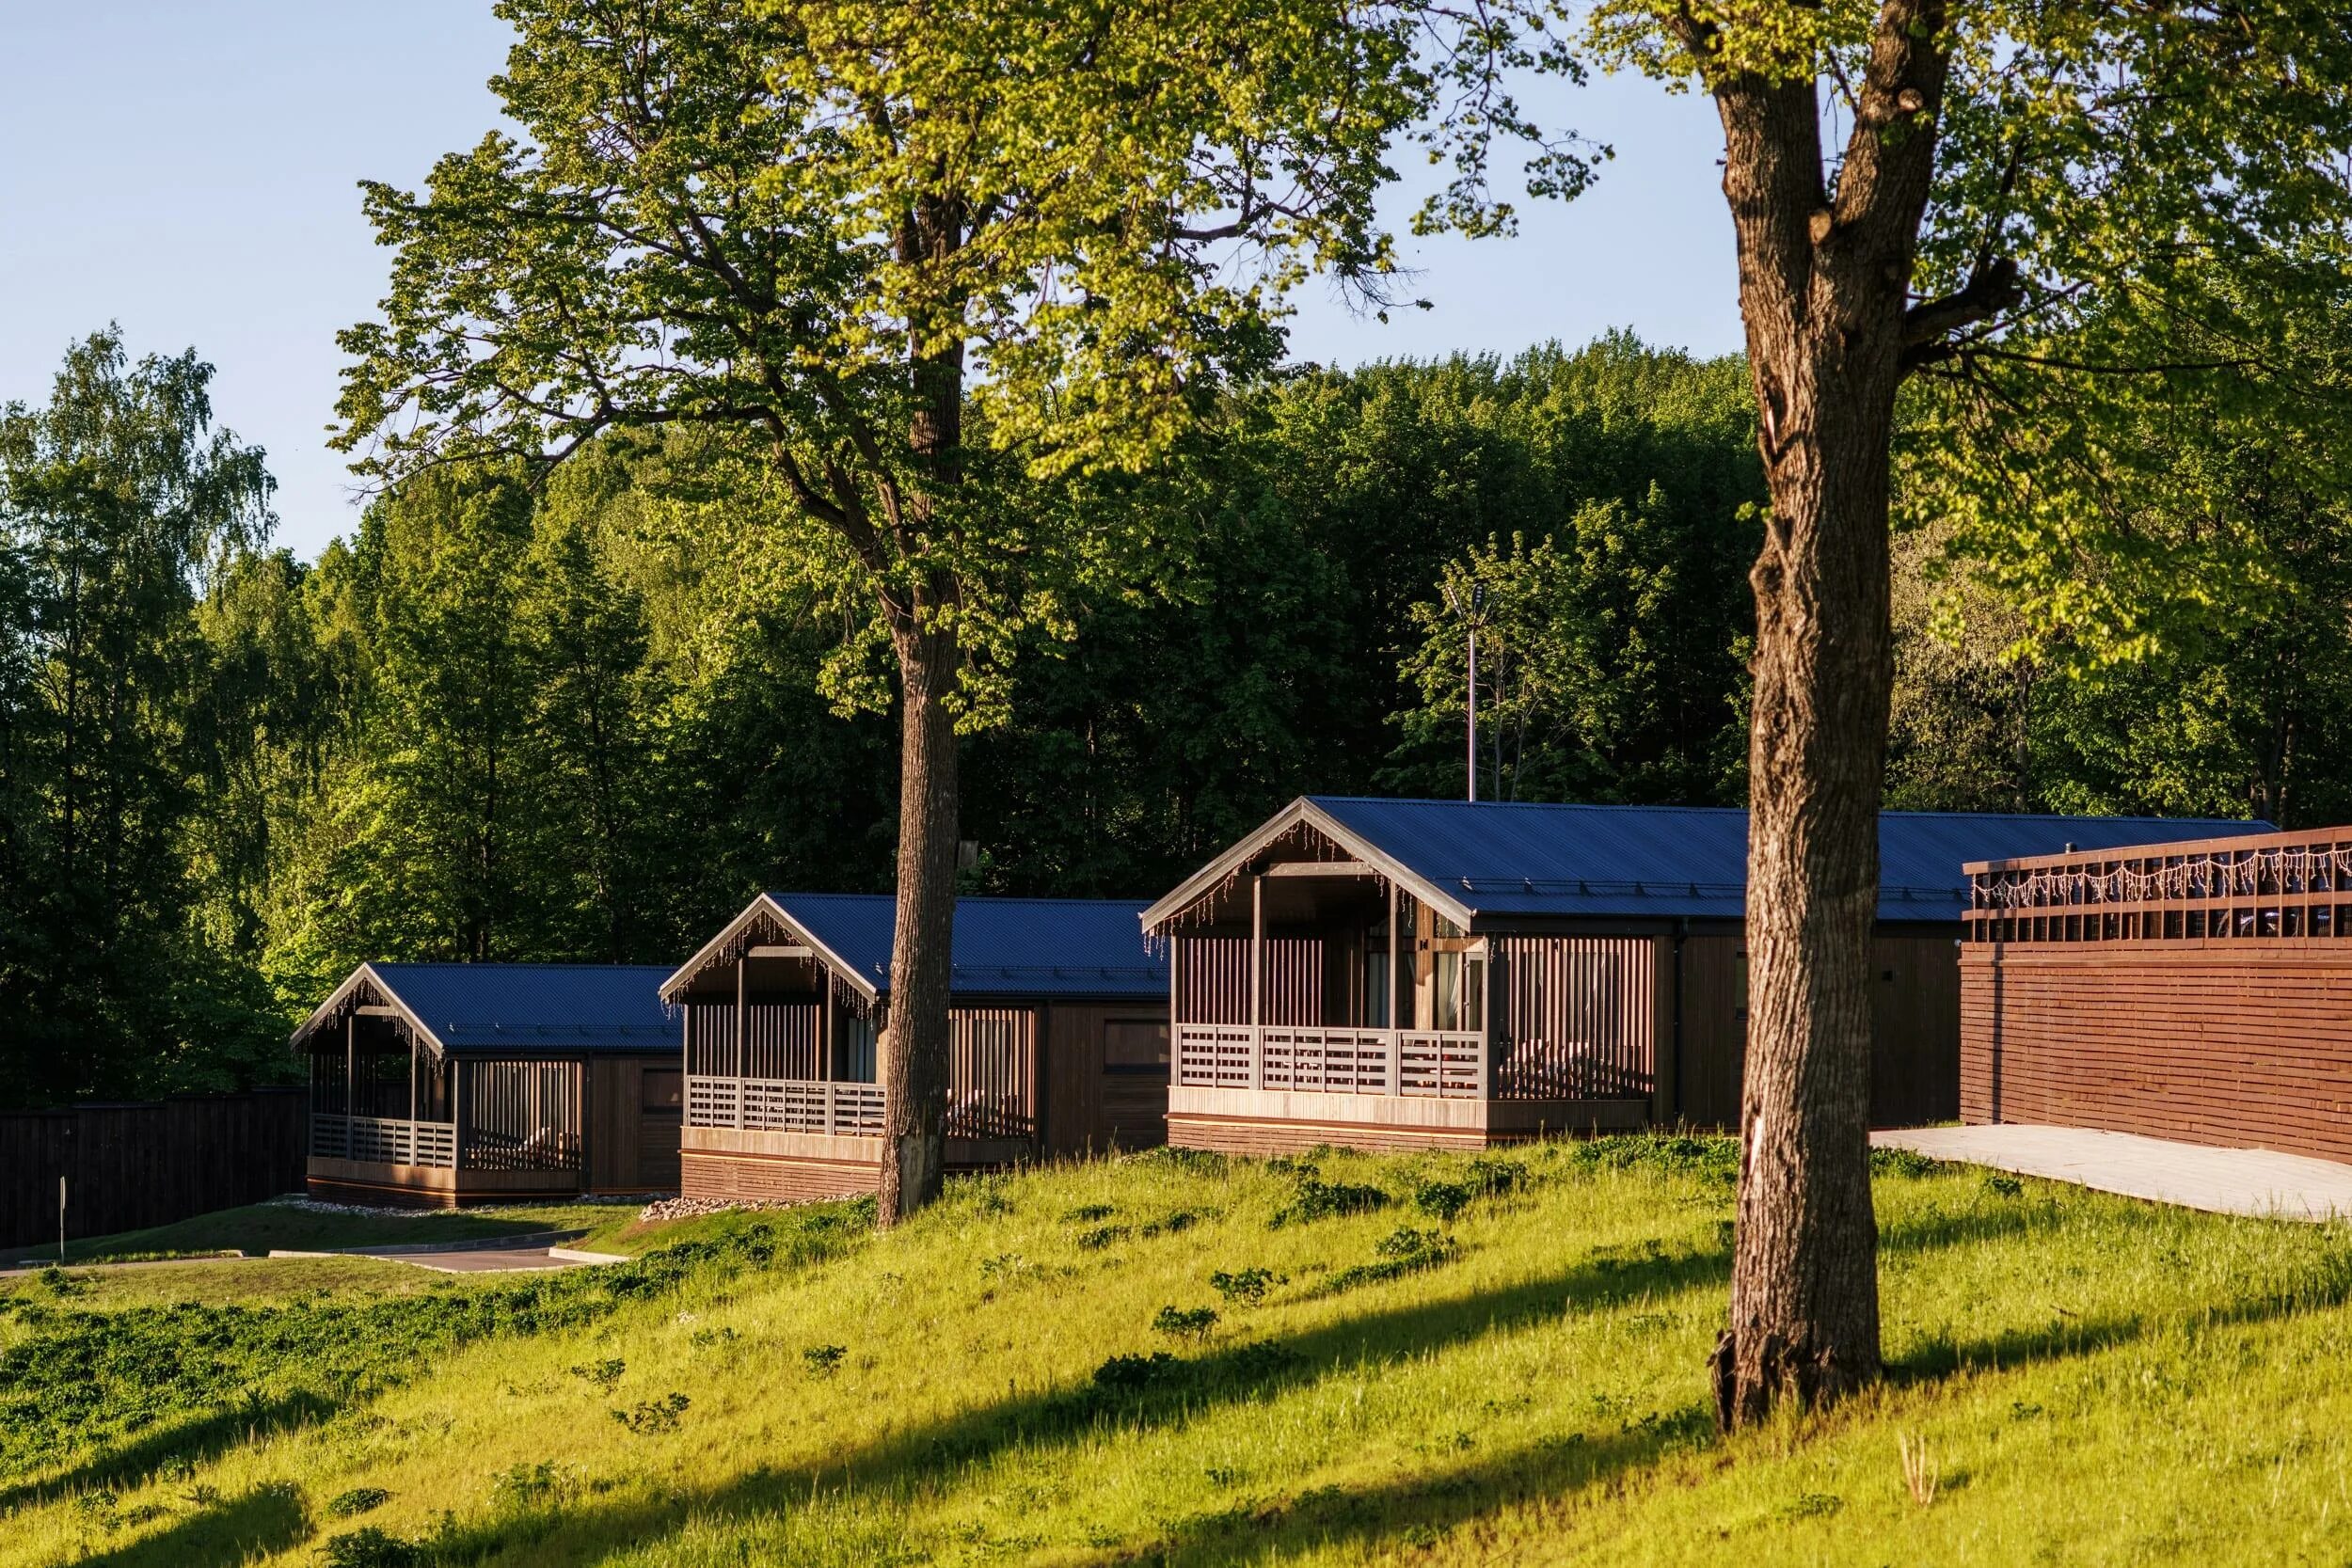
(1058, 1023)
(442, 1084)
(1410, 974)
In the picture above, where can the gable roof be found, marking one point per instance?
(1491, 861)
(1002, 947)
(526, 1010)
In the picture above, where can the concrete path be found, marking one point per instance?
(2255, 1182)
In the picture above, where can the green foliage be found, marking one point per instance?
(652, 1418)
(1185, 1323)
(1403, 1251)
(1313, 1198)
(1245, 1287)
(823, 1360)
(358, 1500)
(370, 1547)
(122, 508)
(79, 1382)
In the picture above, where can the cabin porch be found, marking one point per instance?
(1317, 1000)
(392, 1120)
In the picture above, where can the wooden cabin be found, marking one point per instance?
(1059, 1014)
(442, 1084)
(1414, 973)
(2199, 992)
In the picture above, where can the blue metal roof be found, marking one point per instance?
(1073, 948)
(1499, 859)
(534, 1008)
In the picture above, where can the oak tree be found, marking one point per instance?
(1920, 188)
(916, 260)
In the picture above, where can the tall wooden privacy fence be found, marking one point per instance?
(127, 1166)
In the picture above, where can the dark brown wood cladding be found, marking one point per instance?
(633, 1114)
(1915, 1031)
(2229, 1043)
(128, 1167)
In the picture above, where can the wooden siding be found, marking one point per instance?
(991, 1070)
(128, 1167)
(2230, 1043)
(1089, 1105)
(635, 1105)
(1915, 1031)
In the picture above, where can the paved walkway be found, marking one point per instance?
(2253, 1181)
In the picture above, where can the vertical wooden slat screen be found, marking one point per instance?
(1576, 1019)
(521, 1116)
(780, 1040)
(992, 1063)
(1212, 982)
(129, 1166)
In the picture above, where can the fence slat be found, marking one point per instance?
(128, 1167)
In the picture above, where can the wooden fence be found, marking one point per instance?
(127, 1166)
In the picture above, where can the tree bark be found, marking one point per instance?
(1824, 290)
(914, 1055)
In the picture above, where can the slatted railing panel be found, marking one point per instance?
(1348, 1061)
(1441, 1065)
(784, 1105)
(1213, 1055)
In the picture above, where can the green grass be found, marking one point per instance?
(1048, 1369)
(262, 1227)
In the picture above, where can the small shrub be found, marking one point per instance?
(706, 1339)
(358, 1500)
(1316, 1199)
(648, 1417)
(1813, 1505)
(1185, 1322)
(823, 1360)
(1246, 1287)
(2004, 1186)
(1173, 1225)
(1193, 1161)
(1257, 1361)
(1711, 1159)
(605, 1374)
(59, 1283)
(1132, 1374)
(1085, 1213)
(1907, 1162)
(1101, 1236)
(525, 1485)
(370, 1548)
(1443, 1202)
(1401, 1252)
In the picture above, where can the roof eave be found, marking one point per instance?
(1305, 810)
(766, 901)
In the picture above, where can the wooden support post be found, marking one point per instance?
(1388, 1003)
(1257, 982)
(351, 1067)
(740, 965)
(458, 1112)
(1175, 1015)
(412, 1098)
(826, 1026)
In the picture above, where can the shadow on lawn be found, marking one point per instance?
(193, 1442)
(266, 1520)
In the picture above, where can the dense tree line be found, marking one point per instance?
(585, 720)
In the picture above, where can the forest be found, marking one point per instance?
(583, 715)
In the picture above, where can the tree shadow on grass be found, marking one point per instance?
(266, 1520)
(193, 1442)
(1172, 1394)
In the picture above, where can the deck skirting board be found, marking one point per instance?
(1280, 1130)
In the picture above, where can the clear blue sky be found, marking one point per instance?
(188, 169)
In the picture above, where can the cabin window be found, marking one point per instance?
(660, 1089)
(1460, 988)
(856, 1065)
(1377, 990)
(1134, 1045)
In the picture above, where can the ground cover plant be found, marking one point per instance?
(2077, 1378)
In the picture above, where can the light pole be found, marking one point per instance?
(1474, 617)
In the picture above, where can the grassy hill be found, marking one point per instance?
(1423, 1359)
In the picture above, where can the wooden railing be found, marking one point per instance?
(2271, 885)
(385, 1140)
(785, 1104)
(1415, 1063)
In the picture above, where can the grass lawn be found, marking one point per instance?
(261, 1228)
(1192, 1362)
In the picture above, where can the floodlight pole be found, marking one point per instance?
(1474, 712)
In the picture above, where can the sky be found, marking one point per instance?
(189, 169)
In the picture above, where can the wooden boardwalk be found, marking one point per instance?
(2255, 1182)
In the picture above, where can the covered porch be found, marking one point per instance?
(1321, 995)
(395, 1118)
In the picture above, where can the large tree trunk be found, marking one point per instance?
(1823, 290)
(914, 1054)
